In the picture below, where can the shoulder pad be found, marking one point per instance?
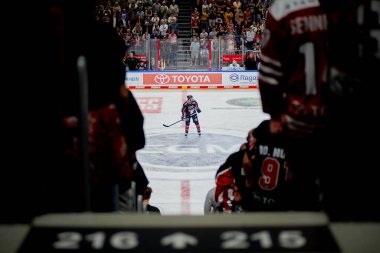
(282, 8)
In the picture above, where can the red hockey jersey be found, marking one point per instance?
(293, 64)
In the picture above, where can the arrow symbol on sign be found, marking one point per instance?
(179, 240)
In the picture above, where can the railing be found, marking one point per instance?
(213, 54)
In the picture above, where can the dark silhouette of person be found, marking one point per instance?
(148, 208)
(132, 61)
(44, 177)
(250, 62)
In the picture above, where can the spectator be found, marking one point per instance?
(171, 18)
(154, 35)
(137, 30)
(210, 205)
(250, 62)
(163, 29)
(153, 64)
(230, 44)
(213, 34)
(173, 48)
(194, 48)
(204, 52)
(173, 26)
(174, 9)
(234, 65)
(147, 207)
(132, 61)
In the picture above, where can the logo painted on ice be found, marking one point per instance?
(234, 77)
(161, 79)
(177, 152)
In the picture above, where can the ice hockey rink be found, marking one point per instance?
(182, 169)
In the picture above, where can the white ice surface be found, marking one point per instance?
(182, 192)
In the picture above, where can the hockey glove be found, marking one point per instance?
(199, 110)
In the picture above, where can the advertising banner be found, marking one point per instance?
(191, 79)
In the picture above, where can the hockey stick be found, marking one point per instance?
(178, 121)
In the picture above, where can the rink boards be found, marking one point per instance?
(192, 79)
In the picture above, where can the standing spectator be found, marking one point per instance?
(203, 34)
(164, 9)
(132, 61)
(146, 38)
(147, 207)
(213, 34)
(140, 14)
(204, 19)
(137, 31)
(171, 17)
(165, 51)
(194, 49)
(218, 20)
(203, 52)
(155, 19)
(195, 21)
(228, 15)
(230, 44)
(154, 35)
(293, 62)
(215, 52)
(173, 48)
(156, 6)
(250, 38)
(250, 62)
(174, 9)
(163, 29)
(237, 5)
(174, 25)
(153, 64)
(164, 18)
(148, 13)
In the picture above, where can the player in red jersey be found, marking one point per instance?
(268, 177)
(230, 192)
(292, 88)
(189, 111)
(256, 178)
(293, 62)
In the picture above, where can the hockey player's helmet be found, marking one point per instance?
(189, 96)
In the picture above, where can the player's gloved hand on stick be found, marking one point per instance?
(199, 110)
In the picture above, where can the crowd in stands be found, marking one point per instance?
(237, 22)
(230, 24)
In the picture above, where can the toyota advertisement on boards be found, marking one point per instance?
(191, 79)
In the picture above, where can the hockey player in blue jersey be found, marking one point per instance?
(190, 109)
